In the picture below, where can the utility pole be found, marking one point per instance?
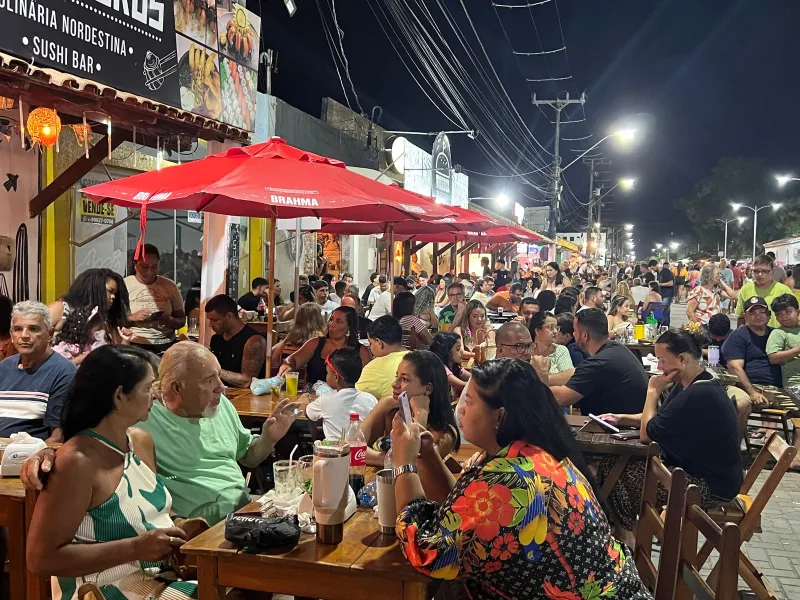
(557, 105)
(592, 163)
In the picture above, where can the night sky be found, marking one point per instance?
(699, 79)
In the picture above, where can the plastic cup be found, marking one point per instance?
(292, 379)
(638, 332)
(285, 477)
(713, 356)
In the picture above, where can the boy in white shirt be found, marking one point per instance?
(343, 370)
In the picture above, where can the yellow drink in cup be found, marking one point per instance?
(291, 383)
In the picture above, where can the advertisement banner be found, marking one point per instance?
(164, 51)
(442, 169)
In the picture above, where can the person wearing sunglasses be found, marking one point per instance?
(343, 371)
(763, 286)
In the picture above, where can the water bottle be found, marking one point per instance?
(388, 461)
(358, 452)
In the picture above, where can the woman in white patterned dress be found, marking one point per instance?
(103, 518)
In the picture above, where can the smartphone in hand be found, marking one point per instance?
(156, 315)
(405, 408)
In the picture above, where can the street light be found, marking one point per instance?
(737, 205)
(726, 221)
(784, 179)
(628, 226)
(625, 135)
(502, 200)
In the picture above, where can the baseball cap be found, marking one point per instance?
(755, 301)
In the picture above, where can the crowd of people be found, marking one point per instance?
(493, 359)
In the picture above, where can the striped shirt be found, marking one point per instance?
(31, 399)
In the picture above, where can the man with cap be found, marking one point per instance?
(746, 351)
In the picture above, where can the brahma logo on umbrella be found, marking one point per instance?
(293, 200)
(413, 209)
(146, 196)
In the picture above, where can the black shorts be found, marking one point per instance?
(680, 280)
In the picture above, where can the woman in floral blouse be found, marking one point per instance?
(523, 521)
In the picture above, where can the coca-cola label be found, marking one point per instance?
(358, 455)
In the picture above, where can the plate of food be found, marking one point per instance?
(196, 19)
(199, 80)
(239, 86)
(239, 33)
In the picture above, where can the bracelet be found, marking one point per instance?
(405, 469)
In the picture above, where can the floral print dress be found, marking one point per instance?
(520, 525)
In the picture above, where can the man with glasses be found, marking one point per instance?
(763, 287)
(156, 304)
(454, 310)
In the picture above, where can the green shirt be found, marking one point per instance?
(786, 339)
(560, 360)
(198, 460)
(769, 294)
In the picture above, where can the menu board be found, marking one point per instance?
(201, 56)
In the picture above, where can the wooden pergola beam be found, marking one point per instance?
(39, 203)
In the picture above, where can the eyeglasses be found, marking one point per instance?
(762, 271)
(551, 328)
(328, 363)
(520, 348)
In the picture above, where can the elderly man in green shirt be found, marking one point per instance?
(763, 286)
(200, 443)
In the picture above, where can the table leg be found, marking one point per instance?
(613, 475)
(207, 579)
(16, 548)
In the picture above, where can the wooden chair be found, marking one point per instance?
(724, 539)
(774, 415)
(745, 510)
(661, 581)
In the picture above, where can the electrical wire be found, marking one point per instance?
(334, 52)
(345, 63)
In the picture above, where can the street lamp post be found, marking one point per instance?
(726, 221)
(784, 179)
(736, 206)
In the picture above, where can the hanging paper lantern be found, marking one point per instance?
(44, 126)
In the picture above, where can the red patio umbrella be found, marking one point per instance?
(496, 235)
(461, 220)
(272, 180)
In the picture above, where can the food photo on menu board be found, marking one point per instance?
(197, 19)
(239, 32)
(199, 78)
(238, 94)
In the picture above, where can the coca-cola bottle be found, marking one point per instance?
(358, 452)
(261, 309)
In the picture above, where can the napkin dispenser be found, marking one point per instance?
(21, 447)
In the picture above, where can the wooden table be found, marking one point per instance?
(15, 513)
(260, 407)
(603, 443)
(365, 565)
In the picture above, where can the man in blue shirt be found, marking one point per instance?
(745, 350)
(34, 383)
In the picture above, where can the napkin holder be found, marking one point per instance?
(20, 449)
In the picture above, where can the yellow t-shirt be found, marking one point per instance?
(769, 294)
(379, 374)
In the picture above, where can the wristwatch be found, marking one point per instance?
(404, 469)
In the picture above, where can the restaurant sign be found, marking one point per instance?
(175, 52)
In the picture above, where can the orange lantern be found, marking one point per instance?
(44, 126)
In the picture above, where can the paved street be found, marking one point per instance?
(776, 551)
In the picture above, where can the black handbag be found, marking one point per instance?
(254, 533)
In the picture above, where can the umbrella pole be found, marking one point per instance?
(390, 257)
(271, 299)
(298, 248)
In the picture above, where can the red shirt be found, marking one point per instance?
(738, 277)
